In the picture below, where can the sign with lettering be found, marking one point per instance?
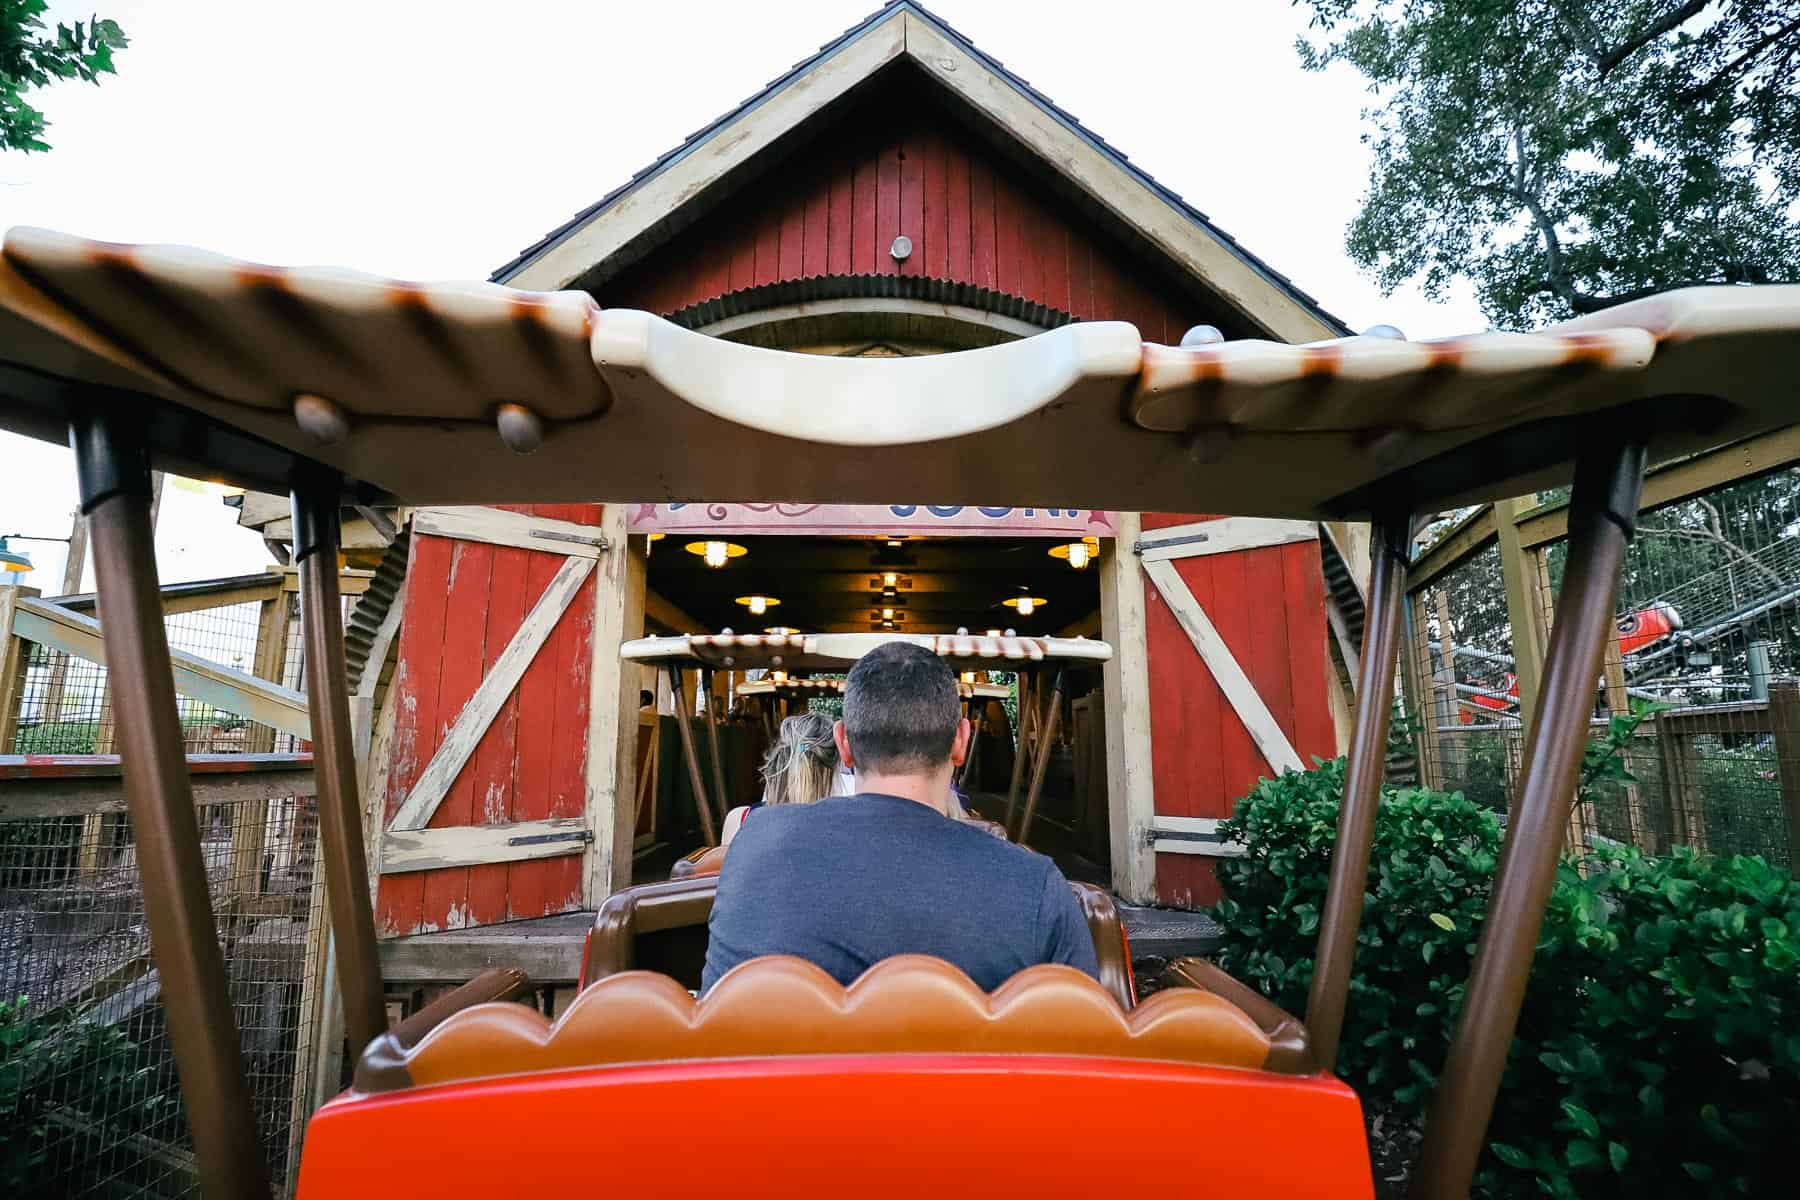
(870, 520)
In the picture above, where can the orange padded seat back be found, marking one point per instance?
(783, 1006)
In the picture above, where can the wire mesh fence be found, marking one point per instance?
(89, 1101)
(1705, 664)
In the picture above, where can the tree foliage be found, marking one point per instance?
(31, 56)
(1564, 155)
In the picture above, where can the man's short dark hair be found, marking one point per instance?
(900, 710)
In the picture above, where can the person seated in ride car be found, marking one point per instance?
(851, 880)
(800, 768)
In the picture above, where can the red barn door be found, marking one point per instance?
(486, 795)
(1234, 612)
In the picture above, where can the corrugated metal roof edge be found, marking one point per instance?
(1067, 120)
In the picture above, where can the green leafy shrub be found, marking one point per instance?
(66, 1080)
(1659, 1045)
(1433, 856)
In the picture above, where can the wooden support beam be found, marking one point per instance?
(660, 611)
(1518, 570)
(499, 527)
(1784, 718)
(1680, 480)
(1222, 535)
(232, 691)
(613, 687)
(30, 796)
(405, 850)
(13, 662)
(1468, 538)
(1125, 684)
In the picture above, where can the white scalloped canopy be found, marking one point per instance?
(633, 408)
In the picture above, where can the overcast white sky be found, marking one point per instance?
(435, 140)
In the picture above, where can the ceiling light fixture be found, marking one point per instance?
(780, 631)
(758, 604)
(1079, 553)
(1024, 605)
(716, 553)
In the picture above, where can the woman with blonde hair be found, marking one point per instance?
(800, 768)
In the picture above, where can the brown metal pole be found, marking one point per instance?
(692, 756)
(1602, 518)
(977, 711)
(712, 741)
(1027, 706)
(1388, 551)
(1041, 763)
(113, 465)
(315, 510)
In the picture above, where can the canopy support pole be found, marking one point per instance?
(1602, 519)
(1040, 762)
(692, 757)
(977, 709)
(712, 742)
(315, 508)
(112, 463)
(1027, 707)
(1389, 549)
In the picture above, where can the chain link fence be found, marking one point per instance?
(1706, 661)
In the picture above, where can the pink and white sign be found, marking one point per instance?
(871, 520)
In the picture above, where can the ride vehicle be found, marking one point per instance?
(346, 388)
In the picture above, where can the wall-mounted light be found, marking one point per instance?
(11, 560)
(887, 614)
(890, 579)
(887, 627)
(993, 633)
(1079, 553)
(715, 553)
(758, 604)
(968, 677)
(778, 676)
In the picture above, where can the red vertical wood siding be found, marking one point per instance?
(977, 219)
(836, 208)
(1269, 608)
(465, 602)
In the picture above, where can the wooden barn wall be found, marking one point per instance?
(464, 603)
(974, 218)
(1269, 607)
(837, 207)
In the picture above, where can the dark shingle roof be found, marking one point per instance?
(1064, 118)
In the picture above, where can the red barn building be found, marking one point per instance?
(897, 193)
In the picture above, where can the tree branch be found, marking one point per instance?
(1715, 533)
(1609, 59)
(1741, 62)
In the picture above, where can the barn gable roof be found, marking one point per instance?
(646, 211)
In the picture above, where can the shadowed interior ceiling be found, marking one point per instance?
(834, 585)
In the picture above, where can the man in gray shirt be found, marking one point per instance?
(855, 879)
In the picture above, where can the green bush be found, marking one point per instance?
(63, 1081)
(1659, 1044)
